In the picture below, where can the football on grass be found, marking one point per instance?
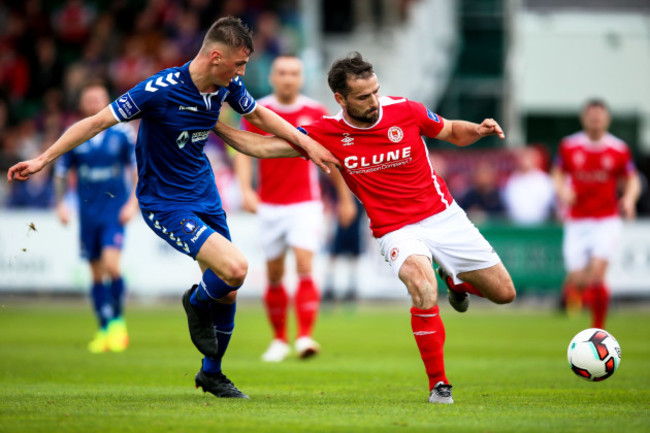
(594, 354)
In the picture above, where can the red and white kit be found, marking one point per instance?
(387, 167)
(410, 209)
(290, 211)
(593, 224)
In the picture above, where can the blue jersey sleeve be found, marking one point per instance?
(239, 99)
(143, 99)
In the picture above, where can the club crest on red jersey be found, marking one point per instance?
(579, 159)
(395, 134)
(607, 162)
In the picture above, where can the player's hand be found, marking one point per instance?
(346, 212)
(128, 211)
(24, 169)
(490, 127)
(567, 196)
(320, 156)
(628, 208)
(250, 200)
(63, 213)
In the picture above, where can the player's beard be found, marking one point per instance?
(369, 116)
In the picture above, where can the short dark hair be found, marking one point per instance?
(351, 66)
(231, 32)
(595, 102)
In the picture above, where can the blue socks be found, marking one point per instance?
(101, 304)
(211, 288)
(223, 317)
(117, 296)
(107, 301)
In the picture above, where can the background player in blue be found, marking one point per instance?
(176, 187)
(105, 205)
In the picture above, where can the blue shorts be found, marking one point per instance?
(184, 229)
(97, 235)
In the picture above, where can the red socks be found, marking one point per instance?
(463, 287)
(276, 301)
(307, 303)
(429, 332)
(598, 304)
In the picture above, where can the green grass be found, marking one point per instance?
(508, 367)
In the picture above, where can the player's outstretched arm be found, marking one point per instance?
(463, 133)
(252, 144)
(270, 122)
(81, 131)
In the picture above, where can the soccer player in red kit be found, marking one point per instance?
(586, 174)
(412, 214)
(290, 212)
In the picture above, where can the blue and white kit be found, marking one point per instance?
(101, 186)
(176, 187)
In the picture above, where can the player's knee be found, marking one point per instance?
(506, 295)
(113, 271)
(236, 272)
(424, 295)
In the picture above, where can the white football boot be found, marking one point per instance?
(306, 347)
(278, 350)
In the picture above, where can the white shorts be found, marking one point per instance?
(587, 238)
(298, 225)
(449, 238)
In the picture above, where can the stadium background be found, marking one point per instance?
(528, 63)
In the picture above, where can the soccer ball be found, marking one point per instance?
(594, 354)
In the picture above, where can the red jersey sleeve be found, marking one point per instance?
(430, 123)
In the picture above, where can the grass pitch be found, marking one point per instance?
(507, 365)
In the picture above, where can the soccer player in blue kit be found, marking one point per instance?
(176, 190)
(106, 204)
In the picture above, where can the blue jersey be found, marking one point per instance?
(100, 163)
(176, 118)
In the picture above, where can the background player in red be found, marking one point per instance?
(290, 212)
(587, 171)
(411, 212)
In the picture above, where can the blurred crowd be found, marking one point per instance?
(49, 49)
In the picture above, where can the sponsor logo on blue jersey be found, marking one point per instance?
(433, 116)
(126, 106)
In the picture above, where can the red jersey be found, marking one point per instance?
(387, 164)
(288, 180)
(594, 169)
